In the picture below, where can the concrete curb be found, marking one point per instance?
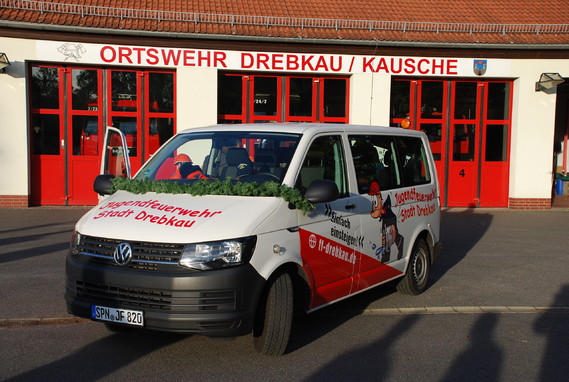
(69, 320)
(454, 310)
(37, 321)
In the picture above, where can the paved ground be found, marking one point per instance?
(496, 310)
(493, 260)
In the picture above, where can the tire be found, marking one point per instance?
(274, 317)
(415, 280)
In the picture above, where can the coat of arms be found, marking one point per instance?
(480, 67)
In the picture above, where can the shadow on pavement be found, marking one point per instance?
(374, 359)
(461, 230)
(553, 326)
(22, 236)
(101, 358)
(483, 359)
(33, 252)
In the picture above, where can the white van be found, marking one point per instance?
(230, 229)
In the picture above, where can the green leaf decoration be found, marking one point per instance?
(214, 187)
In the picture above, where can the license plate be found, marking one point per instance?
(121, 316)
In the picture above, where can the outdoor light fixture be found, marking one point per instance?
(548, 81)
(4, 62)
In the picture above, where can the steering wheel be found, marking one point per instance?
(270, 175)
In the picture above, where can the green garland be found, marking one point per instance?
(214, 187)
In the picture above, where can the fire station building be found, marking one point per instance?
(485, 82)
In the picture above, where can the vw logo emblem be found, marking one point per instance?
(123, 254)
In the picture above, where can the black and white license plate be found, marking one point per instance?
(121, 316)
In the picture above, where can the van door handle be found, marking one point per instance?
(350, 206)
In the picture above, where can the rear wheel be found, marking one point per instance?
(415, 280)
(274, 317)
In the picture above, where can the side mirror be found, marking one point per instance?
(103, 184)
(322, 190)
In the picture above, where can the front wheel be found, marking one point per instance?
(415, 280)
(274, 317)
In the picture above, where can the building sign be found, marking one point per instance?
(266, 61)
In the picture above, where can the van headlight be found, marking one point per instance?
(218, 254)
(75, 241)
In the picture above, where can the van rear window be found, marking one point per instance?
(413, 159)
(393, 162)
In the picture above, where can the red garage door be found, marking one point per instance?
(244, 98)
(468, 124)
(69, 110)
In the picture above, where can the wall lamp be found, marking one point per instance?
(548, 81)
(4, 62)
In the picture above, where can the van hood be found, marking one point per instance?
(179, 218)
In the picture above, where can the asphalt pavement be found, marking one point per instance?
(496, 309)
(495, 260)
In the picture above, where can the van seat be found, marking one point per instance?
(238, 164)
(265, 160)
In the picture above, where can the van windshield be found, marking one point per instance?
(246, 156)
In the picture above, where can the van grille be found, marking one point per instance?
(177, 302)
(148, 256)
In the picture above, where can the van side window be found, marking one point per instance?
(413, 160)
(324, 160)
(374, 161)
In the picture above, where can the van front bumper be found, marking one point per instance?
(213, 303)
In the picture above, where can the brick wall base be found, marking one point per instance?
(14, 201)
(529, 204)
(22, 201)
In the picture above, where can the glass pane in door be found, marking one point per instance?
(45, 88)
(465, 100)
(496, 143)
(230, 95)
(498, 101)
(124, 86)
(463, 142)
(265, 96)
(334, 101)
(400, 99)
(85, 89)
(161, 92)
(45, 134)
(128, 126)
(432, 94)
(434, 133)
(300, 97)
(85, 132)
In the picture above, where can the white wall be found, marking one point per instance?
(369, 99)
(13, 117)
(196, 97)
(533, 126)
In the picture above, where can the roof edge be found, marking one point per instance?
(298, 40)
(279, 21)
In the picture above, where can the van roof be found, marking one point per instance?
(301, 128)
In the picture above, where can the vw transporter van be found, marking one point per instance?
(230, 229)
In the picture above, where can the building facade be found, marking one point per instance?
(498, 134)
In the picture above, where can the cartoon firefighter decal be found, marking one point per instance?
(389, 232)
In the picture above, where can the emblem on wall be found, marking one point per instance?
(72, 51)
(480, 67)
